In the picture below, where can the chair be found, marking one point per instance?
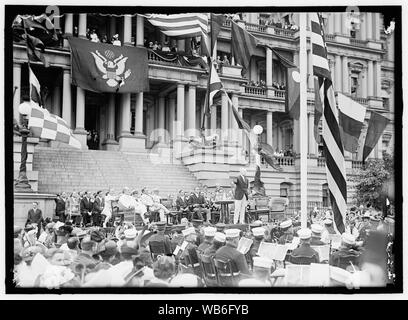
(208, 270)
(278, 207)
(226, 277)
(172, 216)
(304, 260)
(156, 248)
(262, 207)
(189, 265)
(345, 261)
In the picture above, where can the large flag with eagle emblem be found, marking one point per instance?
(101, 67)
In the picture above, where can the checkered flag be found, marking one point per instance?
(46, 125)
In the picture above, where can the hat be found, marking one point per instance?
(328, 221)
(232, 233)
(220, 225)
(184, 221)
(220, 237)
(130, 233)
(286, 224)
(161, 225)
(49, 225)
(197, 221)
(77, 232)
(317, 228)
(262, 262)
(259, 231)
(304, 233)
(188, 231)
(367, 214)
(348, 238)
(257, 223)
(209, 231)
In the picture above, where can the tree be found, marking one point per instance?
(373, 181)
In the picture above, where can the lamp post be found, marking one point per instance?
(257, 129)
(22, 184)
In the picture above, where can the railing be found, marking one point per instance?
(361, 100)
(357, 164)
(357, 42)
(321, 161)
(151, 56)
(285, 161)
(255, 27)
(295, 206)
(279, 93)
(257, 91)
(329, 37)
(283, 32)
(227, 23)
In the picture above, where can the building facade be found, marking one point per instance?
(361, 59)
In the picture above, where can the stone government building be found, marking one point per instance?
(126, 153)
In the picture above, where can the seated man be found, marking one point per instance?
(261, 273)
(189, 255)
(209, 233)
(287, 229)
(346, 249)
(259, 235)
(230, 252)
(304, 251)
(198, 205)
(317, 230)
(218, 242)
(152, 205)
(181, 203)
(161, 237)
(129, 202)
(158, 205)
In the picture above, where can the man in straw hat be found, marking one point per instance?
(218, 242)
(287, 229)
(304, 250)
(209, 234)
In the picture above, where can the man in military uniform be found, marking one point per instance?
(317, 230)
(176, 237)
(198, 225)
(287, 229)
(189, 255)
(258, 236)
(160, 237)
(218, 242)
(304, 250)
(346, 249)
(328, 230)
(220, 227)
(230, 252)
(209, 233)
(365, 227)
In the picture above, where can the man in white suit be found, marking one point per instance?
(241, 196)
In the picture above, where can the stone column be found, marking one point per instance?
(17, 93)
(311, 139)
(80, 132)
(56, 101)
(139, 30)
(377, 23)
(110, 143)
(112, 28)
(82, 25)
(125, 114)
(191, 116)
(213, 119)
(337, 73)
(377, 78)
(296, 146)
(161, 107)
(345, 75)
(234, 124)
(331, 23)
(253, 70)
(139, 115)
(310, 78)
(68, 28)
(127, 30)
(364, 83)
(363, 26)
(180, 110)
(345, 25)
(66, 97)
(369, 24)
(337, 23)
(370, 76)
(172, 116)
(269, 66)
(269, 134)
(181, 45)
(224, 117)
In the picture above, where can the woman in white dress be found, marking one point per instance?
(107, 209)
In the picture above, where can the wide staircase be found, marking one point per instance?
(67, 169)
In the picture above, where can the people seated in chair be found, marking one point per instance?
(328, 229)
(190, 252)
(347, 249)
(152, 205)
(261, 273)
(86, 208)
(160, 237)
(157, 204)
(209, 233)
(218, 242)
(197, 205)
(198, 226)
(287, 229)
(130, 202)
(317, 230)
(230, 252)
(258, 237)
(304, 254)
(182, 203)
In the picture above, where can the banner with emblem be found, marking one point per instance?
(102, 67)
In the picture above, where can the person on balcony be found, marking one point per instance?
(94, 36)
(116, 41)
(166, 47)
(225, 61)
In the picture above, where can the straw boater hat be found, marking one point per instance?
(130, 234)
(348, 238)
(304, 234)
(232, 233)
(210, 231)
(328, 221)
(259, 231)
(286, 224)
(317, 228)
(220, 237)
(188, 231)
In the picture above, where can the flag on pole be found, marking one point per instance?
(243, 45)
(35, 89)
(217, 20)
(332, 144)
(35, 50)
(266, 151)
(46, 125)
(183, 25)
(376, 127)
(351, 120)
(318, 107)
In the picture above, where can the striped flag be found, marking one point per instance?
(243, 45)
(376, 127)
(35, 89)
(332, 144)
(46, 125)
(184, 25)
(351, 121)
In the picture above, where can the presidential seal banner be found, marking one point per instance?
(101, 67)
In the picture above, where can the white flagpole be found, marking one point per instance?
(303, 123)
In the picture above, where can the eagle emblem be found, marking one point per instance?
(113, 69)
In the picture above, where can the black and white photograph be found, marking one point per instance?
(203, 149)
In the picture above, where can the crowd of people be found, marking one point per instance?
(288, 152)
(262, 84)
(285, 25)
(102, 250)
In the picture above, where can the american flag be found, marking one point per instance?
(333, 147)
(46, 125)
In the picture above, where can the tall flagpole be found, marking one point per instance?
(303, 123)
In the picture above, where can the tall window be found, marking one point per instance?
(285, 190)
(354, 84)
(325, 195)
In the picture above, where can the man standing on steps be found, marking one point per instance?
(86, 208)
(241, 196)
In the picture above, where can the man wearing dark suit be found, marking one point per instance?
(230, 252)
(97, 208)
(35, 216)
(181, 203)
(60, 207)
(304, 250)
(86, 208)
(197, 204)
(241, 196)
(161, 237)
(317, 230)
